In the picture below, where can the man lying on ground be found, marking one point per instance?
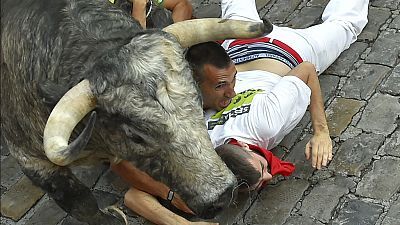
(276, 78)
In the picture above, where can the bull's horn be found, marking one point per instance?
(191, 32)
(71, 109)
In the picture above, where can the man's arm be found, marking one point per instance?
(139, 11)
(320, 145)
(147, 206)
(142, 181)
(181, 9)
(143, 201)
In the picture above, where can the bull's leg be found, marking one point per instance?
(69, 193)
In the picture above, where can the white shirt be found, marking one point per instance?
(262, 115)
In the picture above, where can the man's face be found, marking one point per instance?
(217, 86)
(260, 164)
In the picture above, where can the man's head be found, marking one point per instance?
(247, 165)
(214, 72)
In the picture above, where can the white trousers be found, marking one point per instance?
(320, 44)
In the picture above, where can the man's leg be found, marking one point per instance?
(323, 43)
(239, 10)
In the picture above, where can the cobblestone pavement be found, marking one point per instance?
(361, 186)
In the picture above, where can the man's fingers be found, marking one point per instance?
(307, 151)
(330, 156)
(325, 157)
(314, 158)
(321, 156)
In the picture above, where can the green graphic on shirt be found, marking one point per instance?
(158, 2)
(239, 105)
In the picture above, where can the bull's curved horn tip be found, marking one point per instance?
(268, 27)
(115, 211)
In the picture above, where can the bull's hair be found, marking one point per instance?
(237, 160)
(207, 53)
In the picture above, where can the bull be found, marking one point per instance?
(85, 71)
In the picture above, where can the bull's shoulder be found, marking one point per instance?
(100, 20)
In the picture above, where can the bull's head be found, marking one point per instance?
(153, 112)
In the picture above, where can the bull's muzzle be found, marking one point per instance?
(211, 210)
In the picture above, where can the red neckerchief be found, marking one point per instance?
(276, 165)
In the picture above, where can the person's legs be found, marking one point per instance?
(239, 10)
(323, 43)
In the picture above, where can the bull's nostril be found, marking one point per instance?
(211, 212)
(223, 202)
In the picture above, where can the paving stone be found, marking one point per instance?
(105, 199)
(89, 174)
(395, 24)
(208, 11)
(236, 211)
(340, 113)
(376, 18)
(391, 145)
(10, 171)
(390, 4)
(6, 221)
(289, 140)
(355, 154)
(307, 17)
(382, 181)
(261, 4)
(350, 132)
(347, 59)
(358, 212)
(112, 183)
(71, 221)
(304, 169)
(301, 220)
(3, 147)
(282, 9)
(329, 85)
(385, 50)
(47, 213)
(321, 175)
(3, 189)
(393, 216)
(280, 151)
(276, 202)
(392, 84)
(319, 3)
(20, 198)
(362, 84)
(327, 194)
(380, 114)
(138, 221)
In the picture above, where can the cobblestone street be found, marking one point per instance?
(361, 185)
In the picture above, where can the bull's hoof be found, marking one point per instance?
(116, 212)
(110, 215)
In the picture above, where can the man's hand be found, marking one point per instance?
(319, 148)
(139, 11)
(180, 204)
(320, 145)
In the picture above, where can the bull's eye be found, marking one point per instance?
(130, 132)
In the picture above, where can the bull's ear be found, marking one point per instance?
(133, 134)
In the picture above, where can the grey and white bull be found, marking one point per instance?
(85, 70)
